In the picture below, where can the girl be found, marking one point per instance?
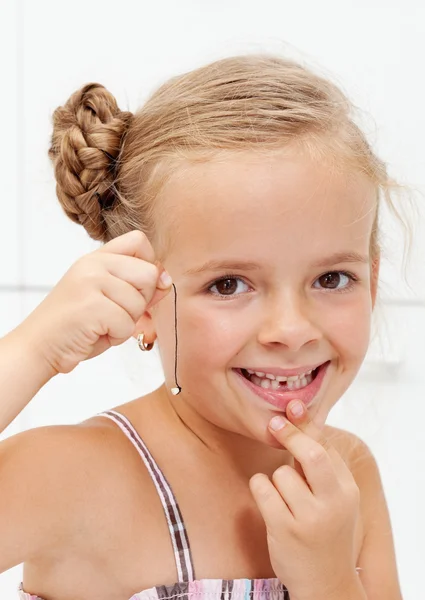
(248, 183)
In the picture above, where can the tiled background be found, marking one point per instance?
(374, 50)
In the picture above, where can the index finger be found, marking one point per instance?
(133, 243)
(315, 461)
(305, 424)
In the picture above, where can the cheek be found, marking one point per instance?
(214, 336)
(349, 329)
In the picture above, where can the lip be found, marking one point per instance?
(280, 399)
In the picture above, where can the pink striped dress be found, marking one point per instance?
(187, 587)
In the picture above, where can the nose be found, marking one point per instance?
(289, 320)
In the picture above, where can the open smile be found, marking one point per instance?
(279, 390)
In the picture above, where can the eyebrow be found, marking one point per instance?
(342, 257)
(238, 265)
(219, 265)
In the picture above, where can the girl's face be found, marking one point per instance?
(270, 258)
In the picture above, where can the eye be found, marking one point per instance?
(336, 280)
(227, 286)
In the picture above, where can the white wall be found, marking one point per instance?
(374, 49)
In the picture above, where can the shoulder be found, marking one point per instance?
(364, 468)
(60, 450)
(58, 481)
(64, 460)
(352, 448)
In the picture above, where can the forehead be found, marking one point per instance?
(256, 205)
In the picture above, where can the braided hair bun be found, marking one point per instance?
(87, 137)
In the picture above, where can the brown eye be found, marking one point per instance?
(226, 287)
(333, 280)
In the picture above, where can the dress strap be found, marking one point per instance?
(176, 526)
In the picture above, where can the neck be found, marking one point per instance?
(243, 454)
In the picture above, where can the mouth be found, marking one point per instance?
(275, 382)
(280, 390)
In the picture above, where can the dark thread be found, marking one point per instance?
(113, 162)
(175, 330)
(107, 200)
(111, 158)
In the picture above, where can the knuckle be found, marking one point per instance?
(317, 455)
(151, 271)
(78, 267)
(314, 520)
(282, 471)
(127, 328)
(289, 432)
(137, 235)
(260, 485)
(86, 268)
(264, 493)
(124, 324)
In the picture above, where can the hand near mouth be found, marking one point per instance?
(310, 513)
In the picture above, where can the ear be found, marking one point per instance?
(374, 277)
(145, 325)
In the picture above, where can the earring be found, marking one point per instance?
(142, 344)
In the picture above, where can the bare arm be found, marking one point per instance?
(377, 557)
(22, 374)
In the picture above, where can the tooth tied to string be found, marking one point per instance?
(175, 390)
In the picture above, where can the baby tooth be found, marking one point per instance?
(250, 372)
(259, 374)
(303, 381)
(293, 378)
(265, 383)
(275, 384)
(269, 376)
(279, 378)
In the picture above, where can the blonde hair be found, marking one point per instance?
(110, 165)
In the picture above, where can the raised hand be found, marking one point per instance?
(310, 512)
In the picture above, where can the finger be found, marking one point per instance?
(142, 275)
(115, 322)
(158, 295)
(312, 455)
(294, 490)
(271, 505)
(125, 296)
(304, 423)
(297, 413)
(133, 243)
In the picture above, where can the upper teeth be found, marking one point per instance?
(280, 377)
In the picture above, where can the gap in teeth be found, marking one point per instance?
(289, 383)
(279, 378)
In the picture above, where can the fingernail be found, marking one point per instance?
(277, 423)
(297, 408)
(165, 279)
